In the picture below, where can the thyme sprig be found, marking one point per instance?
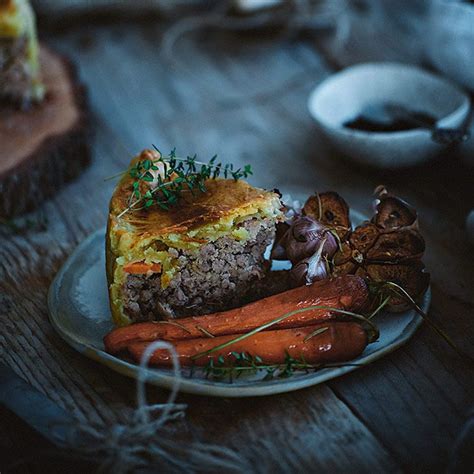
(172, 176)
(239, 363)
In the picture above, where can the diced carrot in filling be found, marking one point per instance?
(140, 268)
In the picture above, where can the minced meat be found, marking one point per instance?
(217, 277)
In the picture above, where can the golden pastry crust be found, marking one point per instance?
(222, 198)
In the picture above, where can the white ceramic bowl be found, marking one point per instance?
(450, 39)
(343, 95)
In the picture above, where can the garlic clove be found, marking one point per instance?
(304, 237)
(310, 269)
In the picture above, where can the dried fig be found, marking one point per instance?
(364, 237)
(411, 277)
(330, 209)
(345, 268)
(391, 212)
(343, 255)
(399, 246)
(388, 248)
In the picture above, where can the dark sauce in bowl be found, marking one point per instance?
(417, 120)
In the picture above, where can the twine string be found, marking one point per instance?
(143, 441)
(143, 408)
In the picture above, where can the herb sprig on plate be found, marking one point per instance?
(240, 363)
(168, 176)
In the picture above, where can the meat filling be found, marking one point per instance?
(216, 278)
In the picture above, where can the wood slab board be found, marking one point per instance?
(47, 144)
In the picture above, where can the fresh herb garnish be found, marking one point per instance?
(243, 363)
(167, 177)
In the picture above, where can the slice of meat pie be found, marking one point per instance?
(198, 256)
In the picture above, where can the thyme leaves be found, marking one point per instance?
(242, 363)
(160, 180)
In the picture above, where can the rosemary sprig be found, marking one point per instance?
(241, 337)
(172, 176)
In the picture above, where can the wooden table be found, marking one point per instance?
(243, 97)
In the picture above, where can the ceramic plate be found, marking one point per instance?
(79, 311)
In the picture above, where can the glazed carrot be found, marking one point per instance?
(341, 341)
(140, 268)
(347, 292)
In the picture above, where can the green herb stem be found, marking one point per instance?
(281, 318)
(173, 323)
(246, 363)
(114, 176)
(135, 203)
(315, 333)
(380, 307)
(401, 292)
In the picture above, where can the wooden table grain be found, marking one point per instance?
(244, 97)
